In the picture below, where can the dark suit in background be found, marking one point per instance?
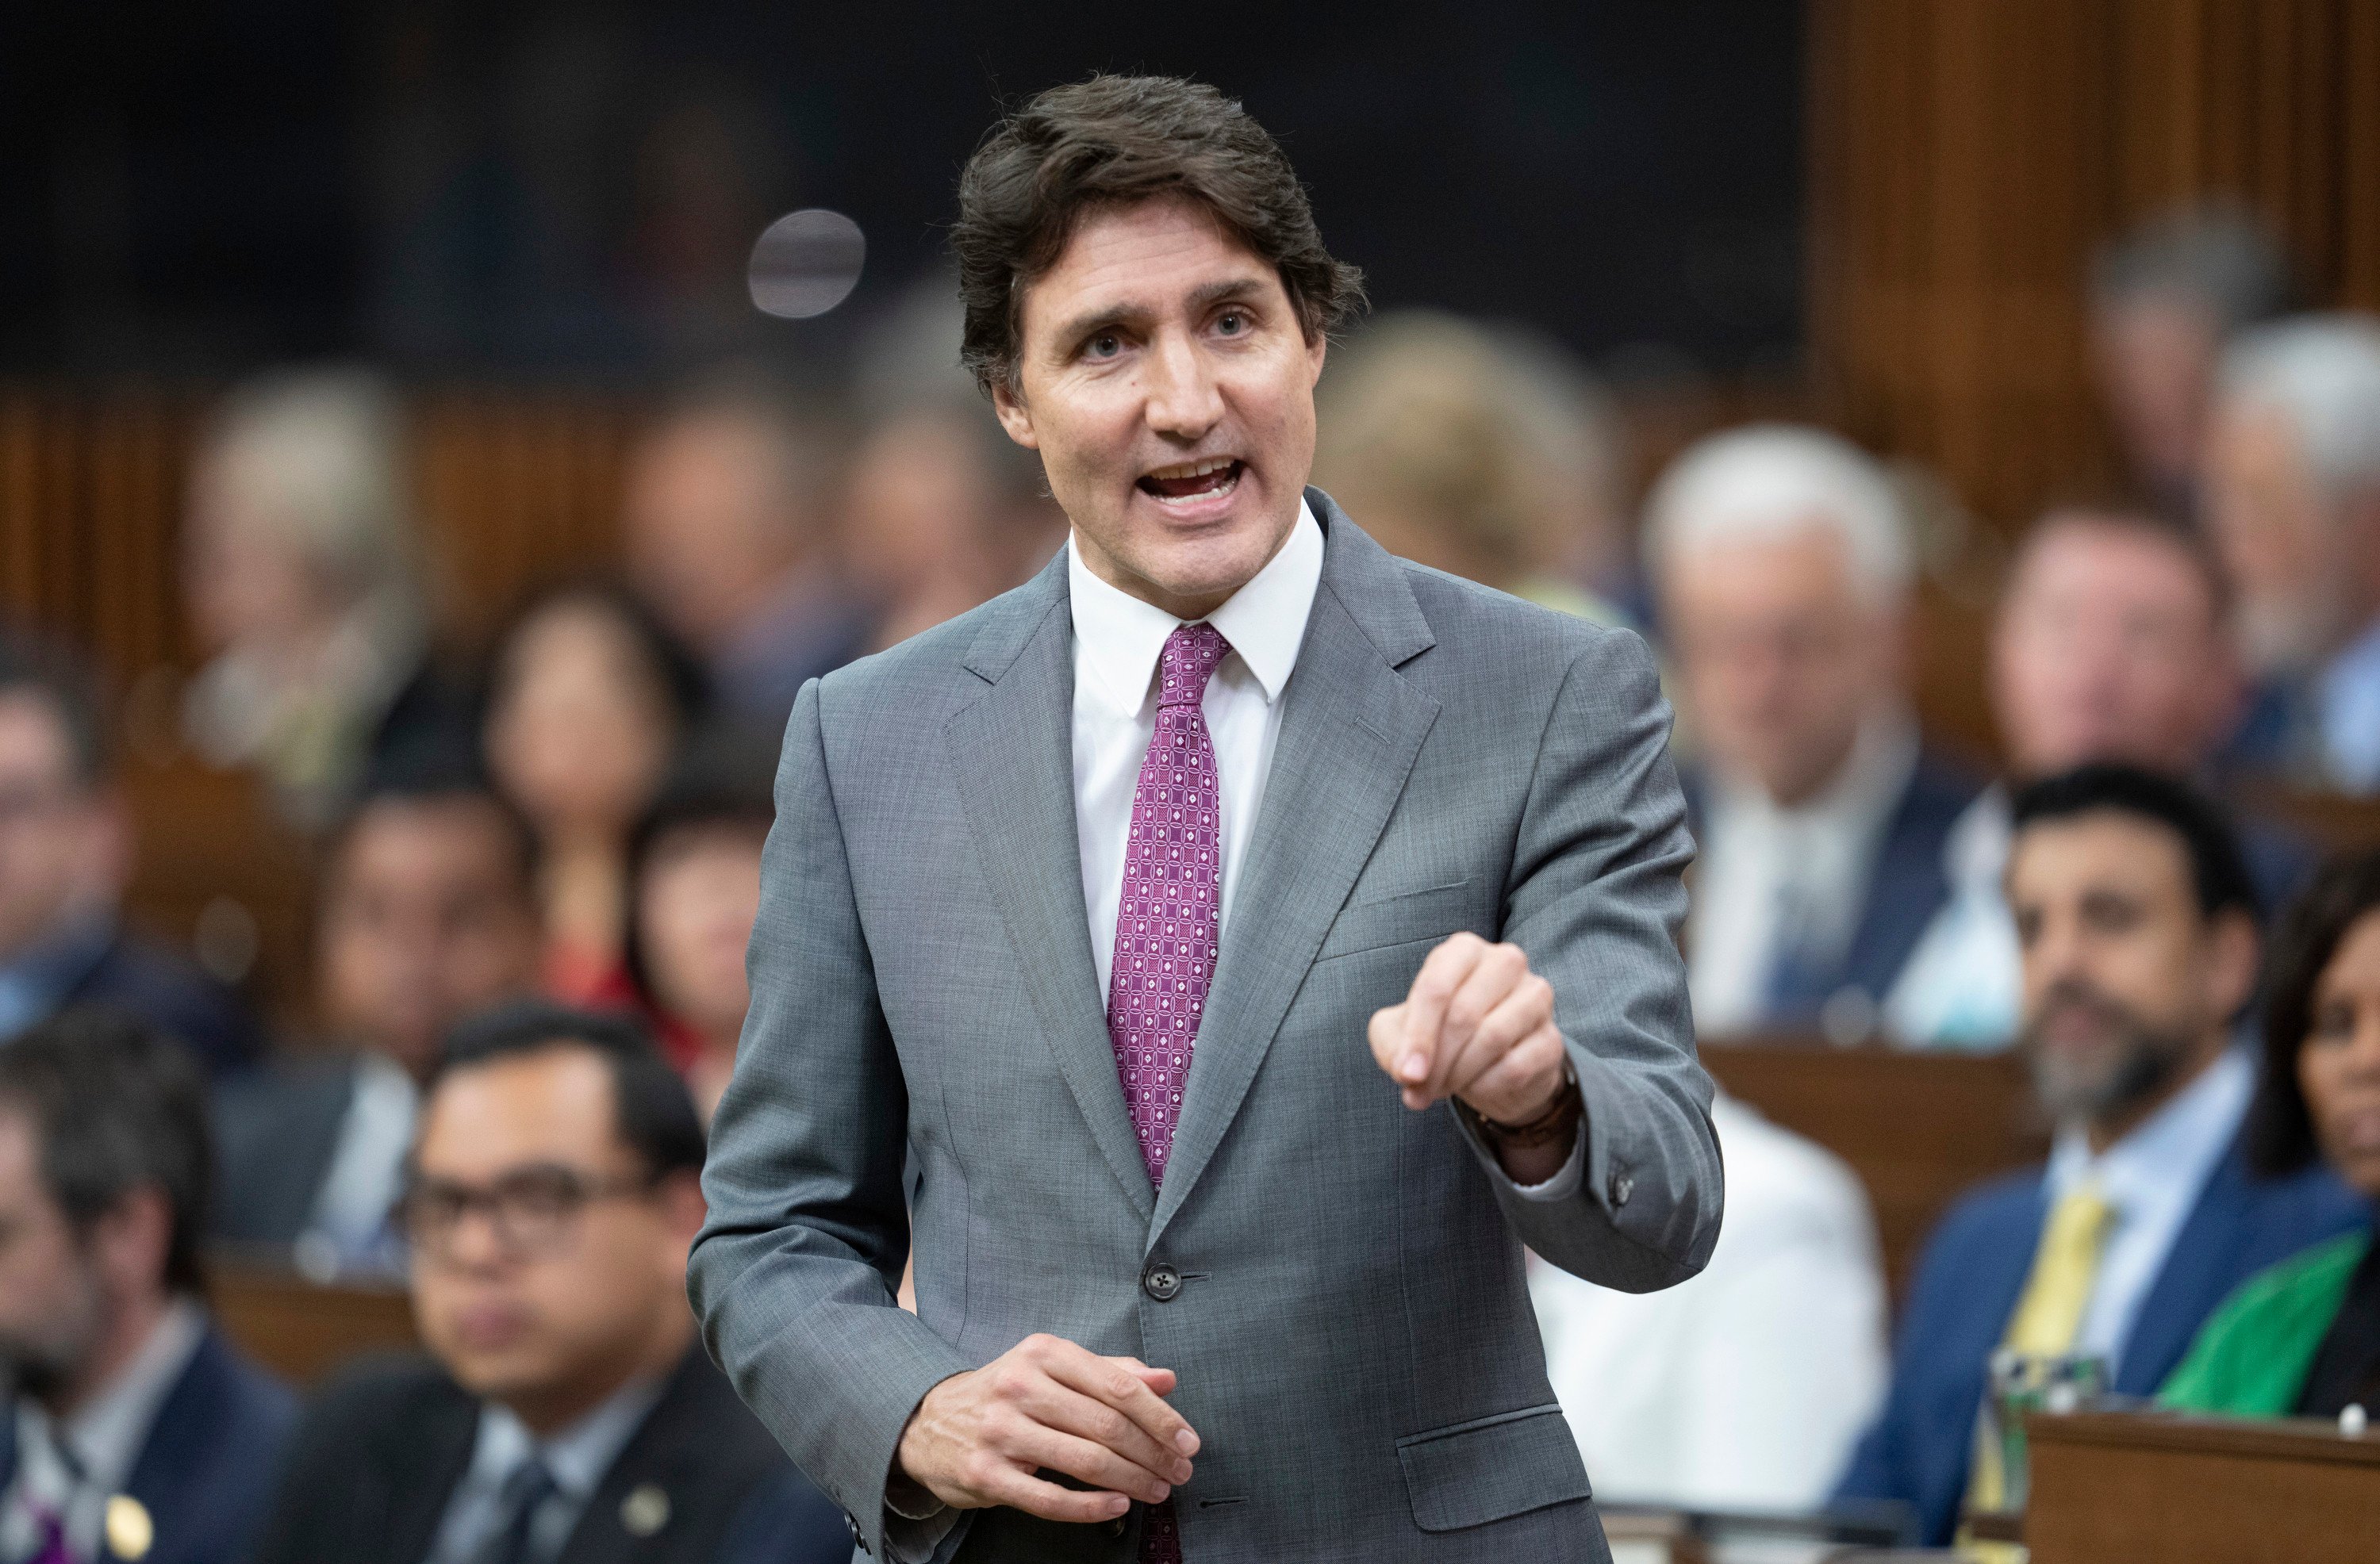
(276, 1133)
(1973, 1270)
(379, 1452)
(103, 964)
(206, 1470)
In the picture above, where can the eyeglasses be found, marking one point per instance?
(531, 1211)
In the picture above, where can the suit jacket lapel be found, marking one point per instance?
(1349, 735)
(1011, 759)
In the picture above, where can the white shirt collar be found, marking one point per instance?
(579, 1455)
(1263, 620)
(2169, 1155)
(108, 1432)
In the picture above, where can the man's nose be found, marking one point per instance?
(1185, 402)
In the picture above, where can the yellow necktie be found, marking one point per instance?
(2065, 1265)
(2063, 1269)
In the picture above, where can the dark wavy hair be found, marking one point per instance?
(2280, 1130)
(1113, 140)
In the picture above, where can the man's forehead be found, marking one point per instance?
(1145, 257)
(553, 1105)
(2097, 850)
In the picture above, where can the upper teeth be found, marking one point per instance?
(1194, 470)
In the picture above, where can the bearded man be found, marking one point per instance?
(2137, 922)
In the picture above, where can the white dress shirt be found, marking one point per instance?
(2152, 1178)
(1744, 1387)
(1963, 984)
(1117, 641)
(72, 1471)
(1768, 871)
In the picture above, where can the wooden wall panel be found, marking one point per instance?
(1968, 156)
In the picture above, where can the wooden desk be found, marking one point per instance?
(2114, 1488)
(1919, 1129)
(300, 1330)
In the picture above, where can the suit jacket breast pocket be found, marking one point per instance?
(1491, 1469)
(1407, 917)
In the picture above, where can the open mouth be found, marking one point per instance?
(1193, 481)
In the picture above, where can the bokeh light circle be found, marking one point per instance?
(806, 262)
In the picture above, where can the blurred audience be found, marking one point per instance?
(66, 848)
(2164, 301)
(1480, 451)
(2294, 502)
(922, 504)
(426, 913)
(2113, 642)
(136, 1431)
(301, 575)
(2303, 1337)
(697, 860)
(1783, 569)
(727, 527)
(564, 1411)
(588, 698)
(1744, 1388)
(2136, 921)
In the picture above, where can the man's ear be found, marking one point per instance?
(1316, 351)
(1014, 416)
(130, 1240)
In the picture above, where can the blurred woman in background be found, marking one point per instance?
(696, 892)
(586, 700)
(2303, 1337)
(301, 569)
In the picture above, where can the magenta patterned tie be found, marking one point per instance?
(1166, 926)
(1166, 920)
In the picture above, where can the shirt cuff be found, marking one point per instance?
(912, 1539)
(1567, 1179)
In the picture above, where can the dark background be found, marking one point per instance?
(567, 190)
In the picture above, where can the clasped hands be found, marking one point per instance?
(1477, 1024)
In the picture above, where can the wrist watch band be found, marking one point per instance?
(1558, 1122)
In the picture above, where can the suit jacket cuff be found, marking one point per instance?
(1565, 1180)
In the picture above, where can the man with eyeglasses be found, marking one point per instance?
(564, 1413)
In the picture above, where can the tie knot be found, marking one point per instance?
(1191, 654)
(530, 1485)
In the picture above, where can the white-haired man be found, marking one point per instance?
(2294, 503)
(1782, 563)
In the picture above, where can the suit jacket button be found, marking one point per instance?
(1115, 1527)
(1162, 1282)
(1622, 1186)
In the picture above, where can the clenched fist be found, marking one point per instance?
(1479, 1025)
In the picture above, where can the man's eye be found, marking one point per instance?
(1232, 323)
(1107, 345)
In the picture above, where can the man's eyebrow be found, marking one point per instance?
(1204, 297)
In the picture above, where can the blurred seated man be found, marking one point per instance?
(2303, 1337)
(566, 1411)
(2136, 921)
(727, 531)
(426, 915)
(64, 855)
(695, 872)
(1475, 450)
(2294, 502)
(2113, 642)
(1743, 1388)
(135, 1430)
(2163, 300)
(301, 578)
(1783, 571)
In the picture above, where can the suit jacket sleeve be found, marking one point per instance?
(1595, 899)
(793, 1272)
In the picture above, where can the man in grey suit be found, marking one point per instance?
(1195, 1281)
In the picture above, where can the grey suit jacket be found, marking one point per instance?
(1349, 1320)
